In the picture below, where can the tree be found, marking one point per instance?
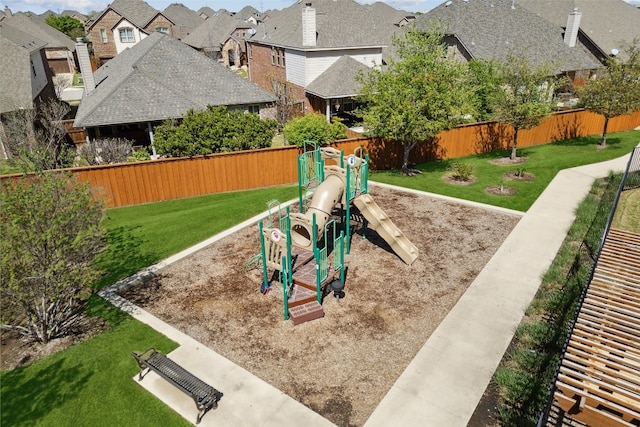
(36, 139)
(313, 127)
(51, 234)
(286, 105)
(525, 95)
(66, 24)
(213, 130)
(616, 90)
(485, 80)
(419, 95)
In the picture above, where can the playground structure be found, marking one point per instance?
(305, 251)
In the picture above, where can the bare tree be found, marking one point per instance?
(106, 151)
(286, 106)
(36, 138)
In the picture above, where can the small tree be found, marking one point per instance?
(525, 96)
(213, 130)
(66, 24)
(616, 91)
(418, 96)
(313, 127)
(51, 235)
(36, 139)
(286, 105)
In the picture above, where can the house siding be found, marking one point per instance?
(104, 51)
(296, 70)
(261, 71)
(137, 35)
(161, 21)
(39, 78)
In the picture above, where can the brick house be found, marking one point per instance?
(123, 24)
(314, 50)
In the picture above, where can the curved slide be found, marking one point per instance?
(380, 222)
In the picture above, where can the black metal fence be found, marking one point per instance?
(630, 180)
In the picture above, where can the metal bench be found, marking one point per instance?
(205, 396)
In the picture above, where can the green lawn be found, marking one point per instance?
(543, 161)
(140, 236)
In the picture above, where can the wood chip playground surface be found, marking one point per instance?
(341, 365)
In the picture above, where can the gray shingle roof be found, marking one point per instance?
(138, 12)
(183, 17)
(214, 31)
(492, 29)
(33, 24)
(161, 78)
(610, 24)
(339, 80)
(339, 24)
(15, 68)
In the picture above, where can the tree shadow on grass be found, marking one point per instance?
(27, 397)
(125, 255)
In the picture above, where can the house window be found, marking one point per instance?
(273, 55)
(163, 30)
(103, 35)
(277, 56)
(126, 35)
(254, 109)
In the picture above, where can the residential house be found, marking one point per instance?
(603, 27)
(251, 15)
(161, 78)
(123, 24)
(298, 49)
(495, 29)
(222, 37)
(75, 15)
(205, 12)
(59, 49)
(25, 78)
(184, 19)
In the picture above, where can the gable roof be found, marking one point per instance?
(34, 25)
(185, 19)
(15, 69)
(339, 24)
(493, 30)
(214, 31)
(161, 78)
(206, 11)
(610, 24)
(339, 80)
(138, 12)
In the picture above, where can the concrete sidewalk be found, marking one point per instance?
(444, 383)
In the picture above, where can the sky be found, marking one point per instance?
(85, 6)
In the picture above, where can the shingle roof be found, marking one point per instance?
(138, 12)
(15, 69)
(339, 24)
(160, 78)
(207, 11)
(183, 17)
(339, 80)
(493, 29)
(214, 31)
(610, 24)
(34, 25)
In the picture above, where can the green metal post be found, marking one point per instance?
(265, 280)
(285, 285)
(348, 210)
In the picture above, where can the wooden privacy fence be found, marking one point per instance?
(166, 179)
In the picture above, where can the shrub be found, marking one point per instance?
(461, 171)
(313, 127)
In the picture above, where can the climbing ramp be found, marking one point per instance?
(380, 222)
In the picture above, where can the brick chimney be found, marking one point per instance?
(573, 25)
(85, 66)
(308, 25)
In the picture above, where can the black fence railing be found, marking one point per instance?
(630, 180)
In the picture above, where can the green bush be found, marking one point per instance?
(313, 127)
(213, 130)
(461, 171)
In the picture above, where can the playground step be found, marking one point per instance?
(300, 257)
(300, 296)
(305, 276)
(306, 312)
